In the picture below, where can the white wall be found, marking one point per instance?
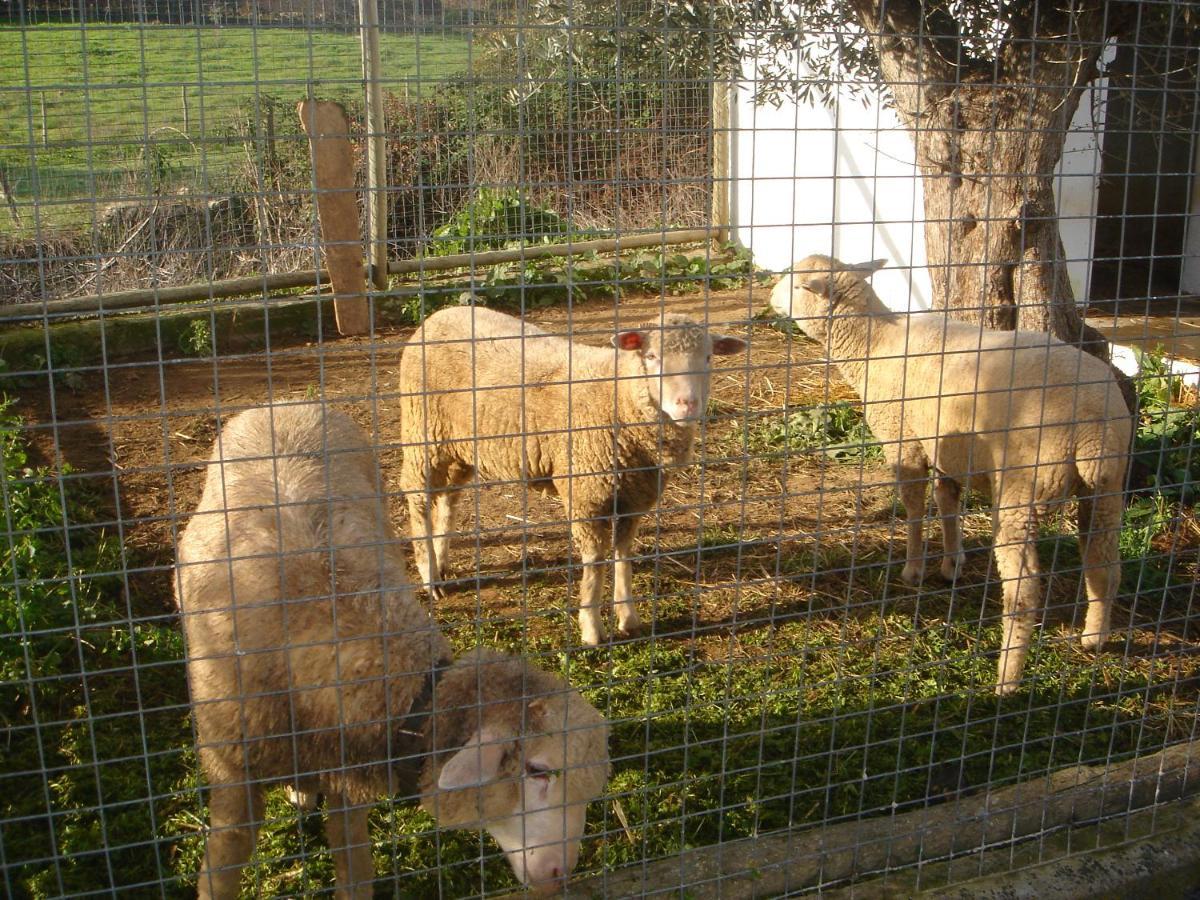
(1189, 281)
(843, 181)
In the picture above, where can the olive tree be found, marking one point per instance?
(987, 90)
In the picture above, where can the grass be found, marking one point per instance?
(785, 684)
(115, 121)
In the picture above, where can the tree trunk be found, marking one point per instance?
(988, 138)
(991, 229)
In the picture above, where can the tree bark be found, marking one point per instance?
(988, 138)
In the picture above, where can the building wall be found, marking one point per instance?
(843, 181)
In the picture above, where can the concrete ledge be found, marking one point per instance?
(1165, 863)
(850, 853)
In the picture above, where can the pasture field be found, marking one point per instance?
(115, 122)
(789, 677)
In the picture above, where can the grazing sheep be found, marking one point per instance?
(485, 394)
(311, 664)
(1021, 414)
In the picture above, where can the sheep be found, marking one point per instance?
(1022, 414)
(311, 663)
(483, 393)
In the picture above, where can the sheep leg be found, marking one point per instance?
(420, 485)
(350, 844)
(445, 504)
(1099, 530)
(1015, 546)
(948, 495)
(628, 622)
(591, 583)
(912, 474)
(234, 811)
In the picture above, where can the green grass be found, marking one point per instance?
(826, 694)
(92, 698)
(114, 109)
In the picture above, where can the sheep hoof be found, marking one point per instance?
(592, 639)
(1007, 688)
(912, 574)
(629, 632)
(952, 566)
(1093, 641)
(437, 592)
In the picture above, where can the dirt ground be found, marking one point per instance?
(780, 535)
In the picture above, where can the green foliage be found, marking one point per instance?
(837, 429)
(84, 731)
(496, 219)
(1167, 425)
(538, 283)
(197, 338)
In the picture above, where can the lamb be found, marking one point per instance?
(311, 663)
(1026, 416)
(485, 394)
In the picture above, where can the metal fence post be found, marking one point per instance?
(721, 175)
(376, 145)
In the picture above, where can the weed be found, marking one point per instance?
(1165, 443)
(86, 733)
(837, 429)
(197, 338)
(496, 219)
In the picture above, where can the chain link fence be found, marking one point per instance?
(805, 699)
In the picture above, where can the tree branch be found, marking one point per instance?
(919, 49)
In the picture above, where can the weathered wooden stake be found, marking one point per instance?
(328, 132)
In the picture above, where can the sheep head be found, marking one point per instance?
(674, 358)
(819, 288)
(535, 755)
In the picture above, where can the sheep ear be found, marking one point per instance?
(818, 284)
(477, 763)
(867, 269)
(726, 345)
(535, 713)
(629, 340)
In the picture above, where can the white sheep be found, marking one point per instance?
(484, 394)
(311, 664)
(1021, 414)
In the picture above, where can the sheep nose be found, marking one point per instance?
(686, 404)
(552, 883)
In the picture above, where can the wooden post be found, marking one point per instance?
(376, 144)
(45, 129)
(721, 174)
(187, 113)
(328, 132)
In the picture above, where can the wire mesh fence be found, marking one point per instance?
(674, 469)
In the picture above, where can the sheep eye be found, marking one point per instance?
(537, 770)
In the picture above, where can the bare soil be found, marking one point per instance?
(742, 538)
